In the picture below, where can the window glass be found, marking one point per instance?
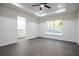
(21, 26)
(54, 27)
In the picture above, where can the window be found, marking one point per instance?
(21, 27)
(54, 27)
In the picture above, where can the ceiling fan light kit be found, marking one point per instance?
(42, 6)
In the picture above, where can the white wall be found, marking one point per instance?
(8, 26)
(70, 27)
(31, 28)
(7, 31)
(78, 26)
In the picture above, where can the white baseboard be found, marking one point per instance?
(58, 39)
(18, 40)
(21, 40)
(8, 43)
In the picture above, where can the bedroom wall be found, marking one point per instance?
(69, 29)
(8, 26)
(78, 26)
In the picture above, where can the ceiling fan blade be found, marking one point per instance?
(43, 3)
(35, 5)
(40, 8)
(47, 6)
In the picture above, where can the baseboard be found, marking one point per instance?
(27, 38)
(59, 40)
(1, 45)
(33, 38)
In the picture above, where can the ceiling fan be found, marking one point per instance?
(42, 5)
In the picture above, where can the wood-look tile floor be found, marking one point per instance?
(40, 47)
